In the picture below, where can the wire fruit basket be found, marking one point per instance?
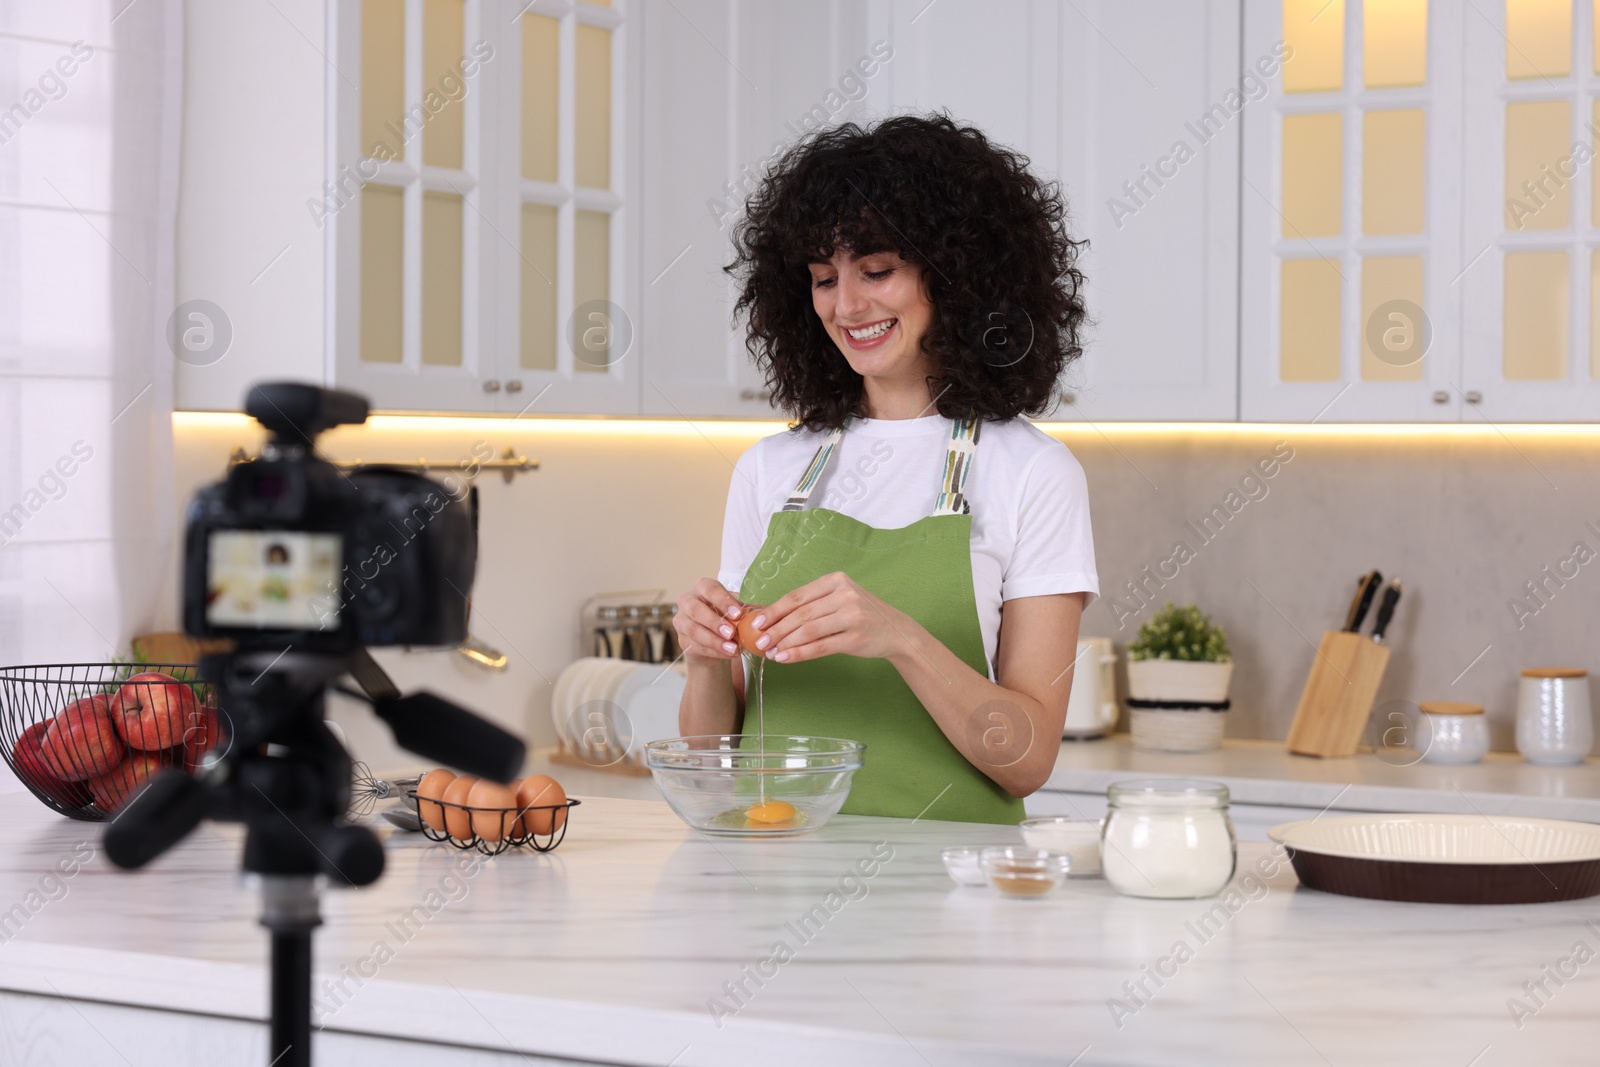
(492, 830)
(84, 737)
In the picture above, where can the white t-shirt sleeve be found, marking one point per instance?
(1054, 542)
(744, 525)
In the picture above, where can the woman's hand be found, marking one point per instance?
(704, 622)
(830, 615)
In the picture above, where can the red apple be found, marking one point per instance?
(28, 760)
(204, 733)
(81, 742)
(153, 710)
(112, 790)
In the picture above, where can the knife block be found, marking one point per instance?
(1338, 697)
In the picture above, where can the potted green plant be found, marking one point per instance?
(1179, 668)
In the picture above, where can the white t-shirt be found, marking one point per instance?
(1029, 499)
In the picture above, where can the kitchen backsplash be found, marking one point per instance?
(1496, 538)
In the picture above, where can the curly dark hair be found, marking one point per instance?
(990, 238)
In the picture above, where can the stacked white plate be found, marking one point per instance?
(606, 710)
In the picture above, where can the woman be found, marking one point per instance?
(910, 290)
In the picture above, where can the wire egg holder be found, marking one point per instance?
(510, 819)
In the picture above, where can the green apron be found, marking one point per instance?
(911, 769)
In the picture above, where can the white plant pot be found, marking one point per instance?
(1171, 679)
(1178, 729)
(1172, 730)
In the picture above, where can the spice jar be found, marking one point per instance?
(1554, 722)
(1168, 837)
(1453, 732)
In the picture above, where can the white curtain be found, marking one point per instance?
(90, 114)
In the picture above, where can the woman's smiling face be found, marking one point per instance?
(875, 309)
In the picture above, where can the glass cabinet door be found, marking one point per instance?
(1532, 337)
(1349, 203)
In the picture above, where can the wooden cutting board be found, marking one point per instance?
(1338, 697)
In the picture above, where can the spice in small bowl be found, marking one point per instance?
(962, 863)
(1024, 872)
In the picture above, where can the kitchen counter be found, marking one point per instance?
(611, 949)
(1264, 772)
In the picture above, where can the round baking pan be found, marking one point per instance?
(1445, 859)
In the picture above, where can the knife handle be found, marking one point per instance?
(1391, 599)
(1365, 591)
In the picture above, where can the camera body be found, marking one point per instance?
(289, 550)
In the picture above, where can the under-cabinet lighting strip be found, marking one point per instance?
(627, 426)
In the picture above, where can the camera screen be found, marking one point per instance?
(274, 579)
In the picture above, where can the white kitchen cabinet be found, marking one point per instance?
(465, 277)
(1156, 194)
(727, 84)
(1531, 221)
(1351, 201)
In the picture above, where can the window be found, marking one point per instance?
(477, 207)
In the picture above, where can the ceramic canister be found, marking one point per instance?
(1555, 725)
(1453, 732)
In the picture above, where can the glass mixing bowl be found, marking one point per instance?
(789, 785)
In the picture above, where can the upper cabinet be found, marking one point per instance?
(729, 85)
(1418, 230)
(1530, 227)
(484, 197)
(1148, 146)
(1296, 210)
(1351, 265)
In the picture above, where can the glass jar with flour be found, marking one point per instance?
(1168, 837)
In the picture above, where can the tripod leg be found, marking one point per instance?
(289, 911)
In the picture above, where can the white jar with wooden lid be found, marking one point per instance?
(1555, 726)
(1453, 732)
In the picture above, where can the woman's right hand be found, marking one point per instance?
(705, 622)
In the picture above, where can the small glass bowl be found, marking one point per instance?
(1024, 872)
(1078, 838)
(963, 864)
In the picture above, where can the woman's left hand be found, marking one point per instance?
(831, 615)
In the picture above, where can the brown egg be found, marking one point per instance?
(459, 822)
(499, 800)
(538, 790)
(432, 787)
(517, 829)
(746, 632)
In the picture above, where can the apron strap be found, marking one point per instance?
(957, 465)
(813, 473)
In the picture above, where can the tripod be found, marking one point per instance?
(287, 779)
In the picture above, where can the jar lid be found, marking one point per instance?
(1554, 672)
(1168, 793)
(1450, 707)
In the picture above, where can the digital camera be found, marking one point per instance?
(291, 551)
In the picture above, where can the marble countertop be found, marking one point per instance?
(611, 949)
(1264, 772)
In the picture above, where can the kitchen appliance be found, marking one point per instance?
(710, 782)
(1453, 732)
(1445, 859)
(1344, 678)
(1092, 704)
(1168, 838)
(1555, 723)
